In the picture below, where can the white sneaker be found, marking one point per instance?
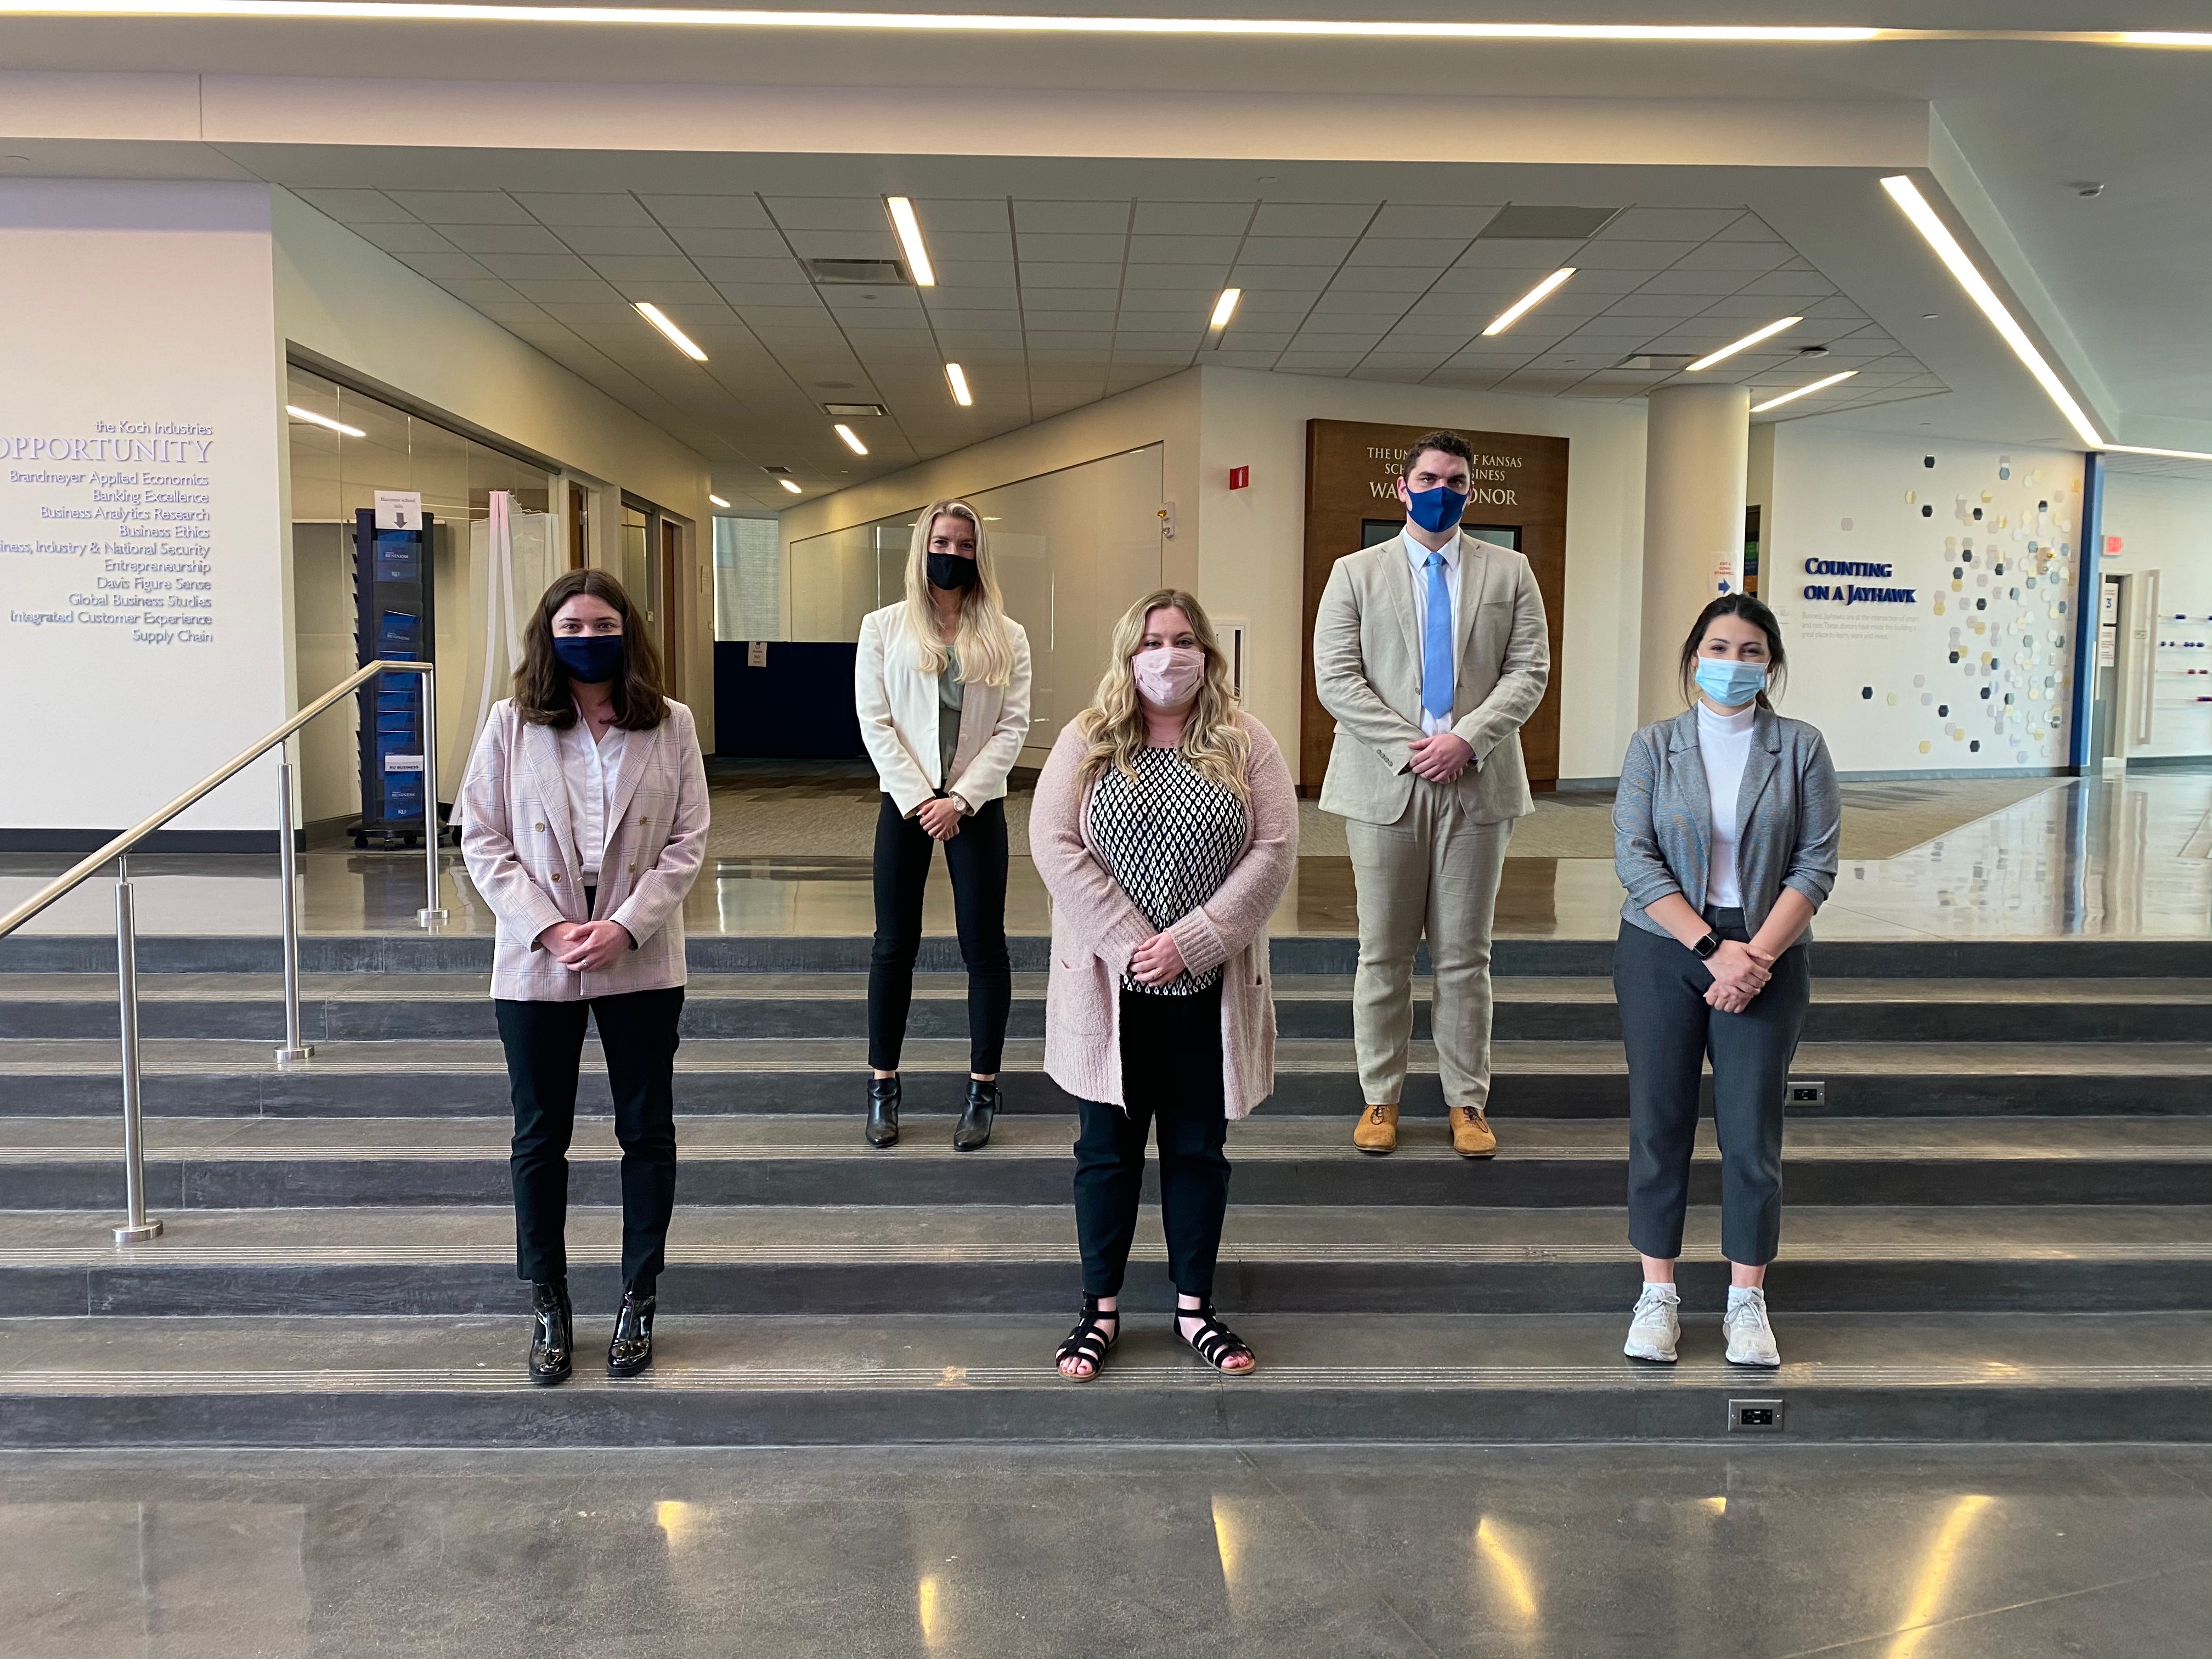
(1654, 1326)
(1750, 1338)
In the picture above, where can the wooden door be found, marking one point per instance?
(1520, 481)
(673, 608)
(580, 527)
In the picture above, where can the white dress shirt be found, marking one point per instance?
(1724, 744)
(1418, 557)
(590, 769)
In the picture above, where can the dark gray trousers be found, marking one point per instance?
(1668, 1030)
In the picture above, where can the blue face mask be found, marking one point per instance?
(590, 659)
(1731, 684)
(1435, 510)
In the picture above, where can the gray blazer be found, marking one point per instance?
(1787, 813)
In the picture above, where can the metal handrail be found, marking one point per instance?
(139, 1227)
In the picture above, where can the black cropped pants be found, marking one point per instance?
(1171, 1079)
(545, 1043)
(975, 859)
(1669, 1030)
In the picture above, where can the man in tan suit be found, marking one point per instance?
(1430, 651)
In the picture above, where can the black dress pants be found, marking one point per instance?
(975, 859)
(1668, 1030)
(1171, 1077)
(545, 1043)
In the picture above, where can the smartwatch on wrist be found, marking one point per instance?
(1703, 949)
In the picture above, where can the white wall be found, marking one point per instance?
(1244, 552)
(143, 309)
(2164, 524)
(1881, 679)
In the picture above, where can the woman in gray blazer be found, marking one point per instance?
(1724, 834)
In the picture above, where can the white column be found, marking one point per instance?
(1696, 460)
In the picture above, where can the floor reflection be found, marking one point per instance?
(2118, 858)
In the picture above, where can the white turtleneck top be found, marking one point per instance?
(1724, 744)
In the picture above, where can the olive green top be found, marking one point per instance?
(949, 694)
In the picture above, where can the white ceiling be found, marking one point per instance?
(1051, 304)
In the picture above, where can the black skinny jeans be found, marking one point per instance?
(1171, 1077)
(975, 859)
(1668, 1030)
(545, 1043)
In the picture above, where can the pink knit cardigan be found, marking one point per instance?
(1096, 929)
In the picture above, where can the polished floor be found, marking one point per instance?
(1705, 1552)
(2118, 858)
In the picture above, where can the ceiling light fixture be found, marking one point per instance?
(961, 395)
(313, 419)
(718, 501)
(791, 484)
(909, 234)
(1753, 339)
(1225, 307)
(2171, 454)
(653, 315)
(1528, 301)
(852, 440)
(1906, 194)
(1801, 392)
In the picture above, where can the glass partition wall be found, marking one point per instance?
(336, 470)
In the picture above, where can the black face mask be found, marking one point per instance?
(951, 572)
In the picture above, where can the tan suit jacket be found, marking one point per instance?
(521, 848)
(1367, 668)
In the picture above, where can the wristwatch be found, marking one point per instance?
(1703, 949)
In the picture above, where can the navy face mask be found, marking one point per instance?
(590, 659)
(1435, 510)
(951, 572)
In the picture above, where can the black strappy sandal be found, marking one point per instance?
(1087, 1341)
(1214, 1341)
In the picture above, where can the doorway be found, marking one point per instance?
(2125, 706)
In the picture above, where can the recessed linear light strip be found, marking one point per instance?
(982, 23)
(792, 485)
(909, 235)
(653, 315)
(1753, 339)
(957, 378)
(1225, 307)
(852, 440)
(313, 419)
(717, 501)
(1801, 392)
(1528, 301)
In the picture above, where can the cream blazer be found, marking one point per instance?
(521, 849)
(899, 706)
(1367, 672)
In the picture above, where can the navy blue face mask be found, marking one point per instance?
(590, 659)
(1435, 510)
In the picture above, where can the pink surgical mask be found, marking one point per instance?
(1169, 676)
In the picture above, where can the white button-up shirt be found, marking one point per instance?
(590, 770)
(1419, 557)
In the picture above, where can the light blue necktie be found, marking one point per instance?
(1437, 646)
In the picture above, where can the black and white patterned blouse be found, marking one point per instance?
(1170, 836)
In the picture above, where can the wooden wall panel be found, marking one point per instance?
(1519, 480)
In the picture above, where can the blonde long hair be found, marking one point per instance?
(1214, 741)
(983, 642)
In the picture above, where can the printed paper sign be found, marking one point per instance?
(398, 509)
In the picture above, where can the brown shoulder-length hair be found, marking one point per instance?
(542, 695)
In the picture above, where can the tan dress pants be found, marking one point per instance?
(1434, 872)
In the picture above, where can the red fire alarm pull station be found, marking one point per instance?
(1240, 478)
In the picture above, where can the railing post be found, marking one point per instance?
(139, 1228)
(433, 914)
(287, 873)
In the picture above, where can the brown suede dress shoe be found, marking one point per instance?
(1377, 1131)
(1471, 1135)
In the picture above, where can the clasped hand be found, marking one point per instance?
(1442, 757)
(586, 947)
(1157, 960)
(1740, 974)
(940, 817)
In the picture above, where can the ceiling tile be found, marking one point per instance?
(1747, 227)
(1518, 254)
(462, 207)
(675, 269)
(1101, 280)
(1678, 279)
(1326, 251)
(1060, 247)
(1734, 255)
(1183, 250)
(1418, 219)
(411, 236)
(1312, 219)
(1793, 283)
(554, 292)
(593, 240)
(940, 215)
(830, 213)
(946, 248)
(1432, 252)
(1192, 218)
(597, 208)
(1645, 224)
(780, 273)
(775, 296)
(876, 244)
(356, 207)
(707, 212)
(725, 242)
(482, 290)
(439, 266)
(505, 238)
(1069, 216)
(1606, 254)
(538, 267)
(1383, 279)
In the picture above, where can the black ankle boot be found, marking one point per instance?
(631, 1351)
(883, 1111)
(552, 1335)
(974, 1129)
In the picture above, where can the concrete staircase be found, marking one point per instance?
(2000, 1222)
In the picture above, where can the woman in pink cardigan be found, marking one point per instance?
(1165, 828)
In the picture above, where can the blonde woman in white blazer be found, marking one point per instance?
(584, 824)
(942, 683)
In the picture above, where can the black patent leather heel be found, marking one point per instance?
(883, 1111)
(630, 1352)
(552, 1333)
